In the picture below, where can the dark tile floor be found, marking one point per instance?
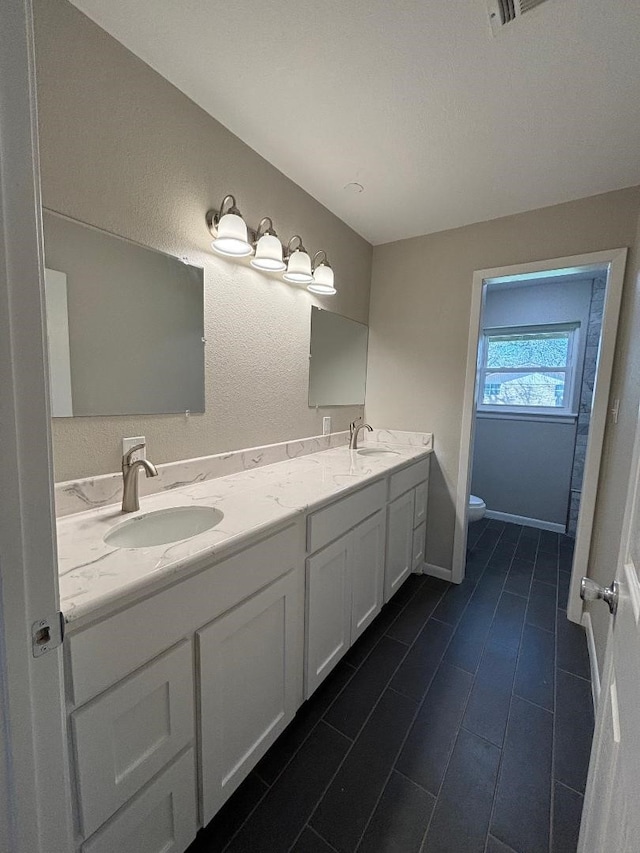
(460, 722)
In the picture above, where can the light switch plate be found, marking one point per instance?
(326, 426)
(128, 443)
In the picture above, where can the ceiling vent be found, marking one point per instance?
(502, 12)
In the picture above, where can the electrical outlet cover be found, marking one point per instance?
(128, 443)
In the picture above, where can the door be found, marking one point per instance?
(248, 686)
(367, 573)
(399, 544)
(611, 817)
(328, 610)
(35, 791)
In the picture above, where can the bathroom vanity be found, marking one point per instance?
(186, 661)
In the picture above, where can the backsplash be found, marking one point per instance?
(93, 492)
(79, 495)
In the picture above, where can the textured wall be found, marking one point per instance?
(124, 150)
(419, 321)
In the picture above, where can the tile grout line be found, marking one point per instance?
(569, 788)
(568, 671)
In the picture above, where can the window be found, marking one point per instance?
(528, 369)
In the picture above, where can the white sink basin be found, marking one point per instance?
(163, 526)
(376, 451)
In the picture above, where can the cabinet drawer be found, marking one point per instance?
(124, 737)
(419, 536)
(420, 507)
(408, 478)
(161, 819)
(331, 522)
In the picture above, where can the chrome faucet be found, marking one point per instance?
(354, 432)
(130, 499)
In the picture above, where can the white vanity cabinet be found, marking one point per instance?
(250, 684)
(173, 697)
(223, 647)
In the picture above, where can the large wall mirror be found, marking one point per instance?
(125, 325)
(338, 363)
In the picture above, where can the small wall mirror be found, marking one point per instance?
(338, 364)
(125, 325)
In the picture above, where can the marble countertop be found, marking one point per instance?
(96, 577)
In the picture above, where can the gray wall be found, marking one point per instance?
(523, 467)
(123, 149)
(419, 323)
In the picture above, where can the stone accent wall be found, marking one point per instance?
(586, 397)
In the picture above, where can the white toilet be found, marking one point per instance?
(477, 508)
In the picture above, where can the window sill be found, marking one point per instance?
(545, 418)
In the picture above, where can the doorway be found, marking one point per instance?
(562, 391)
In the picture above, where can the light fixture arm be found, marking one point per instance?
(214, 216)
(290, 248)
(265, 226)
(315, 263)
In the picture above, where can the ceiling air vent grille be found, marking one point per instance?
(502, 12)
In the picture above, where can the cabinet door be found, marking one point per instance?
(328, 610)
(367, 573)
(399, 543)
(250, 668)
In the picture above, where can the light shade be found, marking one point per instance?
(322, 283)
(232, 239)
(299, 268)
(268, 254)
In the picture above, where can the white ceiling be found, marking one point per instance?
(442, 123)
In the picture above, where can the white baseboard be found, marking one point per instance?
(527, 522)
(593, 659)
(436, 571)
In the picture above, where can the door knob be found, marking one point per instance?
(590, 591)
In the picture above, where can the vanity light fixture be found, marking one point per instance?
(268, 248)
(298, 263)
(322, 283)
(234, 239)
(229, 230)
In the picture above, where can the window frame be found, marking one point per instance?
(570, 370)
